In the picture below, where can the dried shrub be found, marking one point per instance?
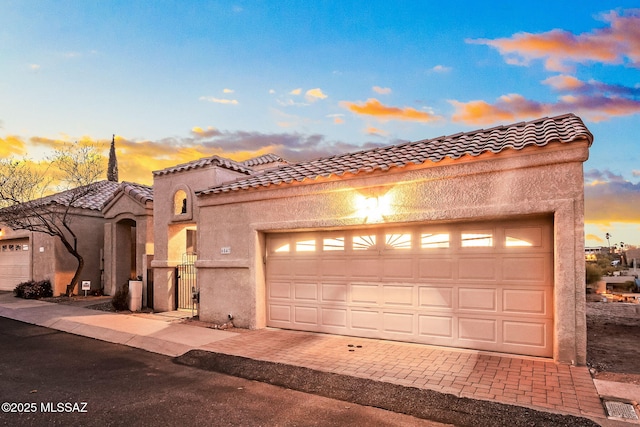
(34, 289)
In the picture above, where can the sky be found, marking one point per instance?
(178, 81)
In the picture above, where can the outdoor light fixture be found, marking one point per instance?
(373, 208)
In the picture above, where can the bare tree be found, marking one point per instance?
(71, 173)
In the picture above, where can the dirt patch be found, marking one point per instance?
(613, 333)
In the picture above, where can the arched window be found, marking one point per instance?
(180, 203)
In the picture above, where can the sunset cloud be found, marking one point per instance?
(296, 91)
(514, 107)
(313, 95)
(594, 237)
(375, 131)
(381, 90)
(219, 100)
(609, 198)
(374, 108)
(227, 90)
(616, 43)
(12, 146)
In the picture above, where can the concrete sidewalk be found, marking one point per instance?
(535, 383)
(157, 334)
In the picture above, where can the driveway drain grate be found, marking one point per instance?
(621, 410)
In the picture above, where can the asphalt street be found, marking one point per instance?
(49, 377)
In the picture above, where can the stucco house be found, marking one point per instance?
(473, 240)
(29, 255)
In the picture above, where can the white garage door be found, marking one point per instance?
(486, 286)
(14, 263)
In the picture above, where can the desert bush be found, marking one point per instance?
(34, 289)
(120, 298)
(593, 273)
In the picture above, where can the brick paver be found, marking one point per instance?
(519, 380)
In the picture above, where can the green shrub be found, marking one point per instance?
(120, 298)
(34, 290)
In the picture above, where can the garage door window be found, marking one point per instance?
(434, 240)
(477, 239)
(398, 241)
(333, 244)
(306, 245)
(363, 243)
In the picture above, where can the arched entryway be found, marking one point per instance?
(126, 255)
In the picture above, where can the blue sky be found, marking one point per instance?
(176, 81)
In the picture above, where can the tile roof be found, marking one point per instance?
(141, 193)
(264, 159)
(91, 196)
(207, 161)
(565, 128)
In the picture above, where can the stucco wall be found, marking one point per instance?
(535, 180)
(170, 229)
(90, 232)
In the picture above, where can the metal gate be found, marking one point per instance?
(187, 292)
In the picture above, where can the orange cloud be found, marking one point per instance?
(373, 107)
(313, 95)
(511, 107)
(382, 90)
(616, 44)
(563, 82)
(594, 237)
(12, 146)
(375, 131)
(219, 100)
(515, 107)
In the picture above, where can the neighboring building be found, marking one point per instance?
(26, 255)
(475, 240)
(128, 238)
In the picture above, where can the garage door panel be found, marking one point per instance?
(397, 268)
(483, 286)
(525, 333)
(398, 295)
(305, 267)
(365, 319)
(435, 297)
(435, 268)
(435, 326)
(280, 290)
(474, 329)
(364, 268)
(335, 317)
(335, 268)
(306, 292)
(363, 293)
(280, 313)
(334, 292)
(280, 266)
(526, 301)
(478, 268)
(527, 269)
(398, 323)
(306, 315)
(478, 299)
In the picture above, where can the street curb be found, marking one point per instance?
(420, 403)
